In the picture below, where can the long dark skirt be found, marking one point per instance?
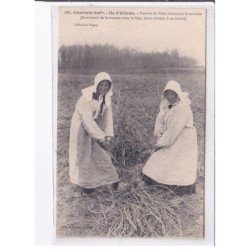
(179, 190)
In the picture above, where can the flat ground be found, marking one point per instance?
(136, 211)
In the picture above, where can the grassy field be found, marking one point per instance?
(135, 211)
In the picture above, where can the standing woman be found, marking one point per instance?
(91, 130)
(174, 161)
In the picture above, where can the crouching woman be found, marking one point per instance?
(174, 161)
(91, 130)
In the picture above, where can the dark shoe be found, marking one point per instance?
(119, 186)
(87, 191)
(115, 186)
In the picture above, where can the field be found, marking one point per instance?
(135, 211)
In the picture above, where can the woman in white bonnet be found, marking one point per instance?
(91, 130)
(174, 161)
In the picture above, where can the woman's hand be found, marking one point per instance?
(156, 148)
(105, 144)
(108, 138)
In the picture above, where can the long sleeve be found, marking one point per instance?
(175, 127)
(109, 127)
(158, 131)
(84, 109)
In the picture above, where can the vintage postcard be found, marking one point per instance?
(130, 94)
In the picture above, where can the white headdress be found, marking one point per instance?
(88, 92)
(183, 96)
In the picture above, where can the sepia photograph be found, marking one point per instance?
(130, 122)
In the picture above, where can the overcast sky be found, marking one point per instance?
(188, 37)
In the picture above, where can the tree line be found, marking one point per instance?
(88, 58)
